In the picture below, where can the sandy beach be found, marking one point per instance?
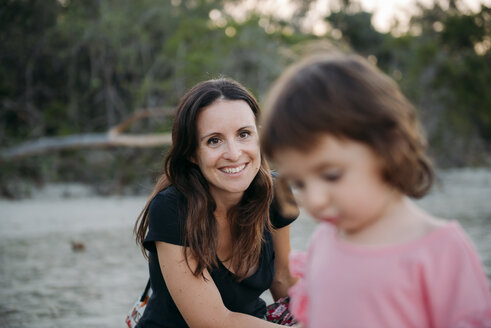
(45, 282)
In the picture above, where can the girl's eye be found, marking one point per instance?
(295, 185)
(332, 176)
(213, 141)
(244, 134)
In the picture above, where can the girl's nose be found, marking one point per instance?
(233, 151)
(315, 199)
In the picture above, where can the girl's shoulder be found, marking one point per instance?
(455, 277)
(441, 239)
(442, 232)
(447, 245)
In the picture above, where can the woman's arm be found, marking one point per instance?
(198, 298)
(282, 278)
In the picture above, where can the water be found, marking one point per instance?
(45, 283)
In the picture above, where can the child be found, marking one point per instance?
(347, 140)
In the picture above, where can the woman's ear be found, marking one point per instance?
(192, 160)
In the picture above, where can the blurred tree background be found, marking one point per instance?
(73, 67)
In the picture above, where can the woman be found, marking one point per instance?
(214, 236)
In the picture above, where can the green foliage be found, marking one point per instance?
(358, 31)
(442, 65)
(458, 78)
(462, 32)
(78, 66)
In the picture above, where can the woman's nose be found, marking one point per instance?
(233, 151)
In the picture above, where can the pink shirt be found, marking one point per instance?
(436, 281)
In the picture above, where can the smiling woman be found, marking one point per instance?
(214, 234)
(228, 150)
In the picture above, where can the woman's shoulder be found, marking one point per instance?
(165, 218)
(170, 191)
(284, 209)
(167, 195)
(168, 200)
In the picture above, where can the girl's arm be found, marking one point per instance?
(282, 280)
(198, 298)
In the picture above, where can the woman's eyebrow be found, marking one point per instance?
(250, 127)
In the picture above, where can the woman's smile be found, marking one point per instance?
(233, 170)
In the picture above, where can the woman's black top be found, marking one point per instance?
(166, 223)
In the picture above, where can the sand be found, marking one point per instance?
(45, 282)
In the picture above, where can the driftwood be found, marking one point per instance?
(112, 138)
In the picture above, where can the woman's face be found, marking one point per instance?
(228, 147)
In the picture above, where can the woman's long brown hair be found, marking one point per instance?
(248, 218)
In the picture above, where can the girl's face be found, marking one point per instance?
(228, 147)
(338, 181)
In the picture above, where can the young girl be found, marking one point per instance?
(349, 143)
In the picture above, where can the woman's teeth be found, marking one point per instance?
(234, 169)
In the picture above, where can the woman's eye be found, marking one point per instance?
(244, 134)
(213, 141)
(332, 176)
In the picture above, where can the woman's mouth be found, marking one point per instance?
(233, 170)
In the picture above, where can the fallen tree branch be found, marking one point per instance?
(112, 138)
(91, 140)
